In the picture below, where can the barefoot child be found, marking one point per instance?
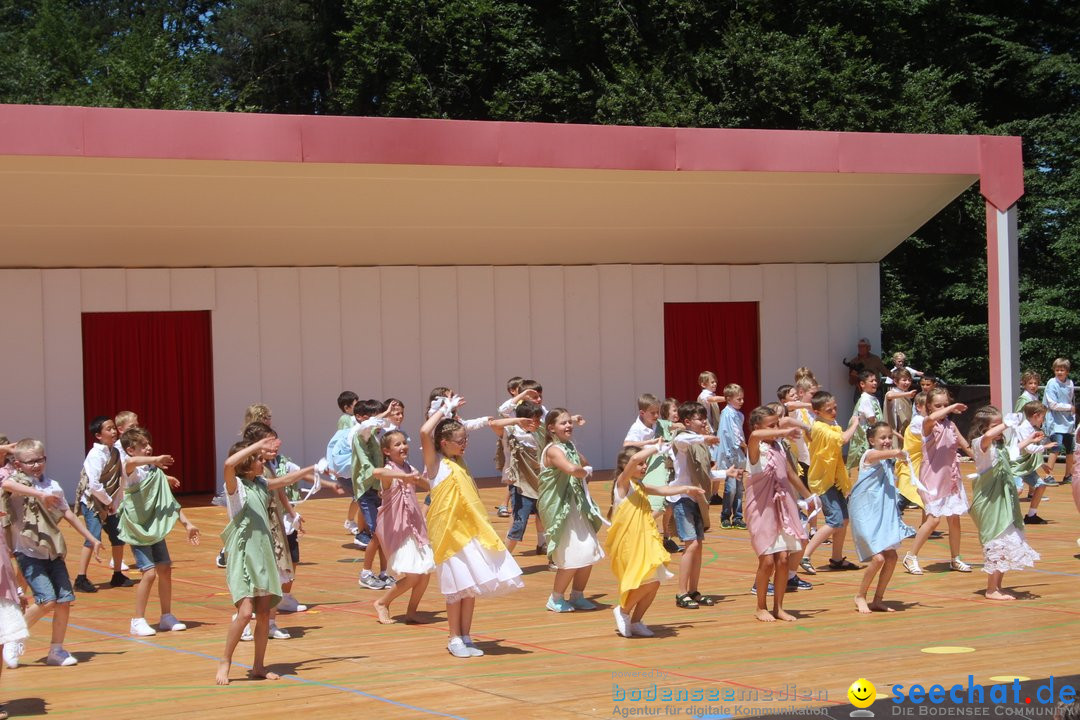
(147, 514)
(36, 504)
(252, 572)
(401, 529)
(638, 557)
(876, 525)
(995, 505)
(771, 510)
(470, 559)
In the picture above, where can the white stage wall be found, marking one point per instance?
(295, 337)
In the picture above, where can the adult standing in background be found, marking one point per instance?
(865, 360)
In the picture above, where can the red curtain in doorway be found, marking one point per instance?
(722, 337)
(160, 365)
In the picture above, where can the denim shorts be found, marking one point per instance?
(94, 525)
(1032, 480)
(523, 507)
(48, 579)
(1064, 442)
(688, 523)
(369, 505)
(147, 556)
(834, 507)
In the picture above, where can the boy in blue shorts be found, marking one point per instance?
(36, 504)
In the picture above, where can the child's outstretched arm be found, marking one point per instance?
(875, 456)
(53, 502)
(387, 476)
(498, 425)
(940, 414)
(134, 461)
(623, 481)
(291, 478)
(753, 450)
(992, 433)
(557, 458)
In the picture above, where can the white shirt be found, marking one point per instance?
(94, 463)
(710, 407)
(680, 447)
(639, 432)
(22, 545)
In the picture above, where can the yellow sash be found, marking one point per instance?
(913, 445)
(457, 516)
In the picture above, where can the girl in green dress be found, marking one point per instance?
(251, 573)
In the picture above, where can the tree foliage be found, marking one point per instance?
(923, 66)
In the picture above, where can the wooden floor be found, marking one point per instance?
(341, 663)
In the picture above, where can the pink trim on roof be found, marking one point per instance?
(181, 135)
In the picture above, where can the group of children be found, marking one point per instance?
(773, 476)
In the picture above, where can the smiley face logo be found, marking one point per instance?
(862, 693)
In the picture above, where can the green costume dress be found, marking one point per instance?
(252, 569)
(570, 517)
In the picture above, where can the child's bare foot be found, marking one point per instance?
(861, 606)
(261, 672)
(782, 614)
(880, 606)
(383, 612)
(764, 616)
(223, 672)
(999, 595)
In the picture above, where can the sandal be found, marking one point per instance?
(808, 566)
(686, 602)
(911, 564)
(843, 564)
(702, 599)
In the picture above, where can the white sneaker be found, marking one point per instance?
(169, 622)
(123, 566)
(622, 621)
(61, 657)
(277, 633)
(12, 652)
(140, 628)
(247, 635)
(350, 527)
(473, 650)
(289, 604)
(458, 648)
(641, 629)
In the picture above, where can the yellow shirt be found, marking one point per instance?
(827, 467)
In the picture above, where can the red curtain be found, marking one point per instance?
(159, 365)
(722, 337)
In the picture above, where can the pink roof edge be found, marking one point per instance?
(62, 131)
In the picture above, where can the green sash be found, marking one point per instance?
(148, 511)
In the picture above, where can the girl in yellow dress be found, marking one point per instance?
(637, 553)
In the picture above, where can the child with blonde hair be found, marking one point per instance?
(638, 558)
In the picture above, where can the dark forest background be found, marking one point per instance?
(917, 66)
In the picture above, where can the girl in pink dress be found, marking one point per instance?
(401, 529)
(770, 509)
(940, 485)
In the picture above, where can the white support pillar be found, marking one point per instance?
(1003, 286)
